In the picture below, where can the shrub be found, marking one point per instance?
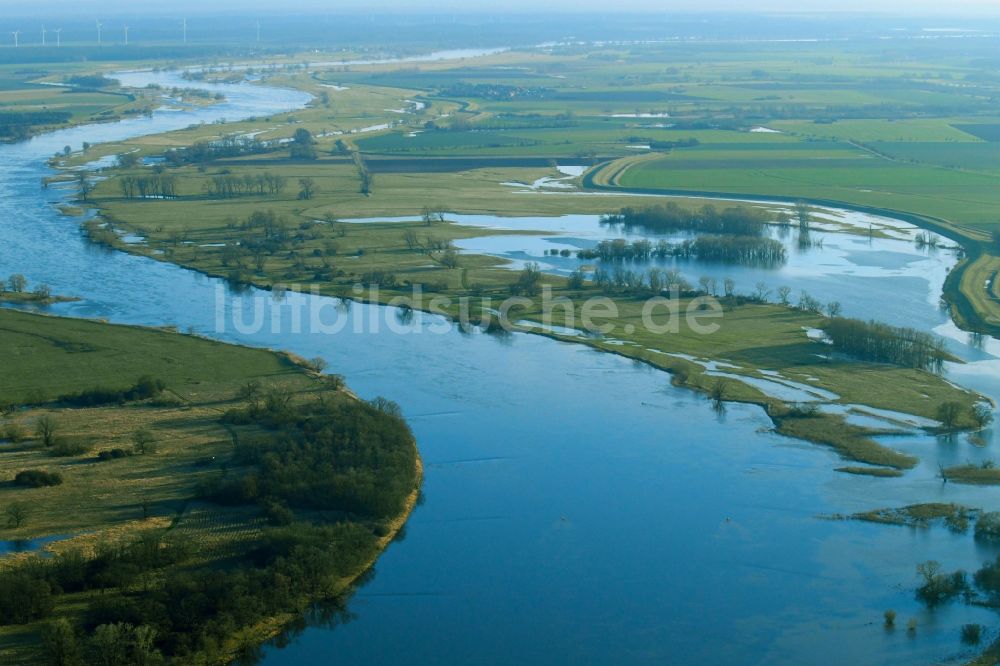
(278, 513)
(881, 343)
(803, 410)
(972, 633)
(988, 525)
(112, 454)
(981, 415)
(36, 478)
(24, 598)
(335, 382)
(13, 432)
(66, 448)
(317, 365)
(938, 587)
(145, 387)
(890, 618)
(144, 442)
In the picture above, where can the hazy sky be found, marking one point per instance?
(898, 7)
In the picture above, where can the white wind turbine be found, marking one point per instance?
(43, 35)
(184, 29)
(17, 35)
(58, 32)
(99, 26)
(126, 35)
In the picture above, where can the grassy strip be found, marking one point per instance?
(972, 475)
(850, 441)
(957, 517)
(884, 472)
(32, 298)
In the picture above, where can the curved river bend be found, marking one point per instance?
(578, 508)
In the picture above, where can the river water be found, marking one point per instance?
(578, 509)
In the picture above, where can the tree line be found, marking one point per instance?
(747, 250)
(16, 125)
(157, 185)
(234, 145)
(882, 343)
(145, 387)
(736, 220)
(229, 186)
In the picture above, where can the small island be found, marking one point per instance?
(15, 290)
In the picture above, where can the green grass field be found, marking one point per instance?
(78, 354)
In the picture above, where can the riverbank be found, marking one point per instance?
(137, 472)
(33, 298)
(273, 628)
(760, 344)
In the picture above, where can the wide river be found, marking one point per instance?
(578, 509)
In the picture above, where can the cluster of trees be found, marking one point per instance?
(18, 284)
(307, 188)
(655, 144)
(939, 587)
(228, 186)
(744, 250)
(335, 456)
(529, 282)
(17, 125)
(882, 343)
(145, 387)
(156, 185)
(748, 250)
(234, 145)
(653, 281)
(158, 602)
(303, 146)
(37, 478)
(736, 220)
(379, 279)
(265, 233)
